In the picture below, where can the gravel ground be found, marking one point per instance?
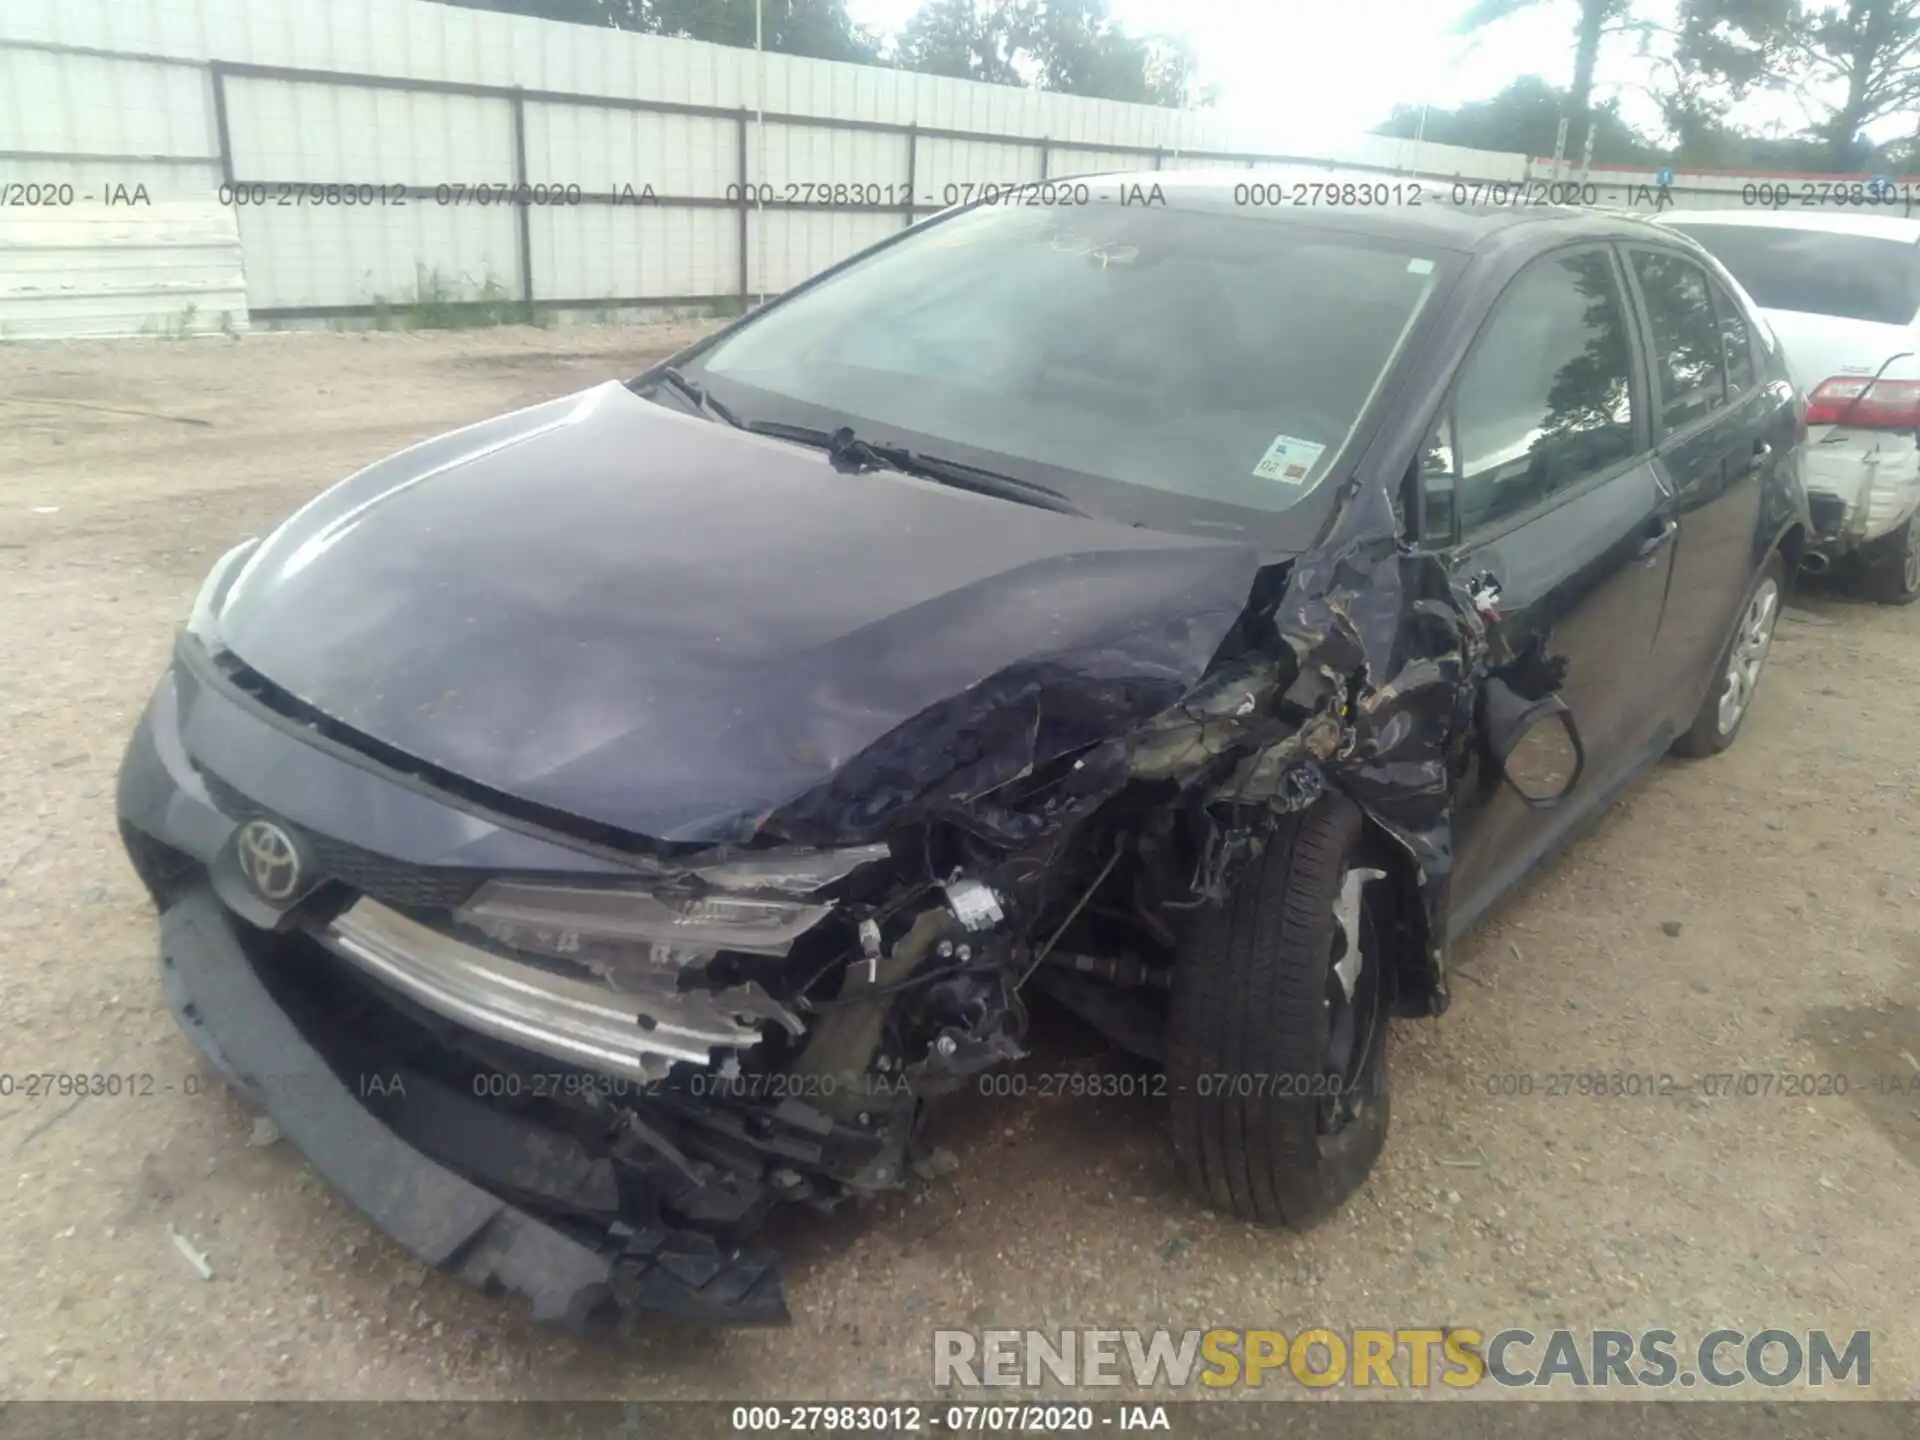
(1751, 913)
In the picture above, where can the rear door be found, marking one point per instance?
(1538, 482)
(1717, 434)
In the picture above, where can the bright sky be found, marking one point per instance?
(1294, 71)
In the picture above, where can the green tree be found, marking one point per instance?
(1082, 50)
(1855, 63)
(821, 29)
(1524, 117)
(1597, 18)
(1073, 46)
(967, 40)
(605, 13)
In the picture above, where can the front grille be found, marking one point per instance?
(395, 881)
(1829, 513)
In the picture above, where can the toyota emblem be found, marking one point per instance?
(268, 859)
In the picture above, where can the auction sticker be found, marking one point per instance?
(1289, 460)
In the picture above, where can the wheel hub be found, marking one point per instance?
(1749, 655)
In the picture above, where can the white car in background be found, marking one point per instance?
(1842, 292)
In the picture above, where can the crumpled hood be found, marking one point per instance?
(665, 625)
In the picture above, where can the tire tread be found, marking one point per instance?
(1248, 999)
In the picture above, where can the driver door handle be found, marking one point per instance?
(1659, 535)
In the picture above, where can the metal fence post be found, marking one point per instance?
(913, 147)
(746, 279)
(220, 126)
(523, 198)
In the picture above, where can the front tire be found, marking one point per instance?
(1276, 1040)
(1730, 696)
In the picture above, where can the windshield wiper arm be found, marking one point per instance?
(701, 397)
(848, 451)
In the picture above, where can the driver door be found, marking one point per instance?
(1539, 484)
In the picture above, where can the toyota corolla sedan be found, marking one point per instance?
(593, 830)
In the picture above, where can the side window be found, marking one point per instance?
(1689, 365)
(1736, 341)
(1546, 398)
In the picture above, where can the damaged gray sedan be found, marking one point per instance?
(589, 831)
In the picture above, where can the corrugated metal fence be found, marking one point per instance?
(390, 153)
(169, 269)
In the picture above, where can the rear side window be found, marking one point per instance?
(1545, 399)
(1690, 371)
(1856, 277)
(1736, 340)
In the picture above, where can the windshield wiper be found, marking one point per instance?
(848, 451)
(700, 396)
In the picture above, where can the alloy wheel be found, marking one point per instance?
(1749, 654)
(1354, 1012)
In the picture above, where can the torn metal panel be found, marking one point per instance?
(1403, 651)
(789, 871)
(1213, 721)
(957, 760)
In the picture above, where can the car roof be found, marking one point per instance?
(1833, 222)
(1436, 221)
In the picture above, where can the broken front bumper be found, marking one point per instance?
(220, 1001)
(338, 1030)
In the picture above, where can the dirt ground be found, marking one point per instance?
(1755, 913)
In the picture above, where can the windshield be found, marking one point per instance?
(1858, 277)
(1220, 358)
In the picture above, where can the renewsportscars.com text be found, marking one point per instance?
(1412, 1358)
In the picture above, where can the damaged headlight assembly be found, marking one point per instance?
(570, 922)
(757, 904)
(608, 977)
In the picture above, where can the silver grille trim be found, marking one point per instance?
(637, 1032)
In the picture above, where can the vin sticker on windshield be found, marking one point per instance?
(1289, 460)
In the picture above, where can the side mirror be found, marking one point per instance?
(1536, 744)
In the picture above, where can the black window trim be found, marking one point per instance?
(1640, 390)
(1663, 436)
(1717, 292)
(1719, 296)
